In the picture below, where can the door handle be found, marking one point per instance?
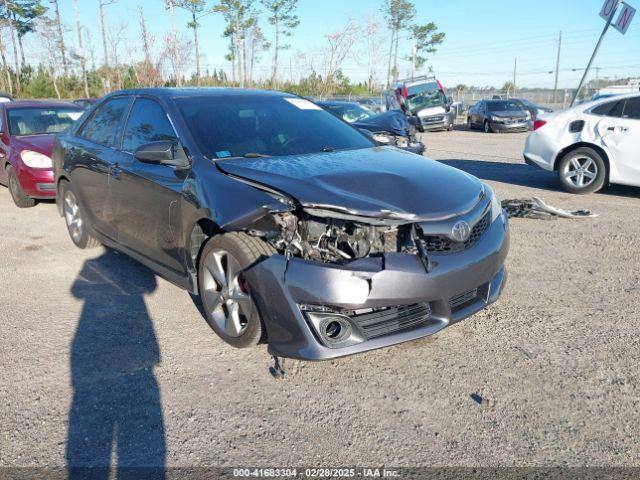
(115, 170)
(622, 129)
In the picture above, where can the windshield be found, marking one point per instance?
(426, 100)
(41, 121)
(350, 113)
(250, 125)
(504, 105)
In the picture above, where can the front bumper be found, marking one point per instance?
(510, 127)
(395, 279)
(37, 182)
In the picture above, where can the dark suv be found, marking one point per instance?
(290, 225)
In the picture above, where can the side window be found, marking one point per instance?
(147, 123)
(609, 109)
(632, 109)
(105, 125)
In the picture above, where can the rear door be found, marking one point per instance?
(90, 160)
(620, 132)
(148, 196)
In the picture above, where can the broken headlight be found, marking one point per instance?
(384, 138)
(496, 205)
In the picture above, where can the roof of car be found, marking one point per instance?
(38, 103)
(198, 92)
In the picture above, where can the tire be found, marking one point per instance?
(582, 165)
(487, 127)
(75, 219)
(21, 199)
(469, 124)
(231, 311)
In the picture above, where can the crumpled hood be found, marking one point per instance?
(427, 112)
(37, 143)
(393, 121)
(380, 182)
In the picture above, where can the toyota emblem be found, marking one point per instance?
(461, 231)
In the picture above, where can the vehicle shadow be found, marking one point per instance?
(514, 173)
(116, 410)
(527, 176)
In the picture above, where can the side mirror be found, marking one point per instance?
(163, 152)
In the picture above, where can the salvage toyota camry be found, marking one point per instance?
(292, 226)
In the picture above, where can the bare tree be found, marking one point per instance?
(105, 50)
(149, 74)
(399, 14)
(197, 10)
(83, 61)
(51, 54)
(116, 35)
(339, 45)
(63, 53)
(174, 41)
(373, 41)
(176, 53)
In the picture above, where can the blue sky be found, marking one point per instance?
(483, 37)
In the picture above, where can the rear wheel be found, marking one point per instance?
(75, 219)
(582, 171)
(225, 294)
(21, 199)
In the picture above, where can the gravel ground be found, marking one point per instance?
(547, 376)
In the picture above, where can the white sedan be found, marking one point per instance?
(589, 145)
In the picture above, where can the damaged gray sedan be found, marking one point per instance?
(290, 226)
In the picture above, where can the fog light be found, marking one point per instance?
(333, 329)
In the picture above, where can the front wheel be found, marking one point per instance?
(20, 198)
(75, 219)
(582, 171)
(469, 125)
(225, 293)
(487, 127)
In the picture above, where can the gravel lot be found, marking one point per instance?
(554, 364)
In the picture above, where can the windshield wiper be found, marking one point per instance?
(255, 155)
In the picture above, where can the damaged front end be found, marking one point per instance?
(345, 283)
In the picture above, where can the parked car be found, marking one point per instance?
(533, 109)
(425, 98)
(86, 102)
(388, 128)
(498, 116)
(5, 97)
(27, 132)
(589, 145)
(291, 225)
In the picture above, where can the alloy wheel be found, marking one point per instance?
(225, 295)
(72, 215)
(581, 171)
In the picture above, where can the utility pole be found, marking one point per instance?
(595, 51)
(515, 68)
(555, 82)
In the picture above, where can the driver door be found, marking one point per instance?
(149, 196)
(621, 135)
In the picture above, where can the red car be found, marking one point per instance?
(27, 131)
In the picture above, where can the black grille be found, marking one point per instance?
(463, 299)
(392, 319)
(442, 244)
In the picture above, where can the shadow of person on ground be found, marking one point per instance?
(116, 410)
